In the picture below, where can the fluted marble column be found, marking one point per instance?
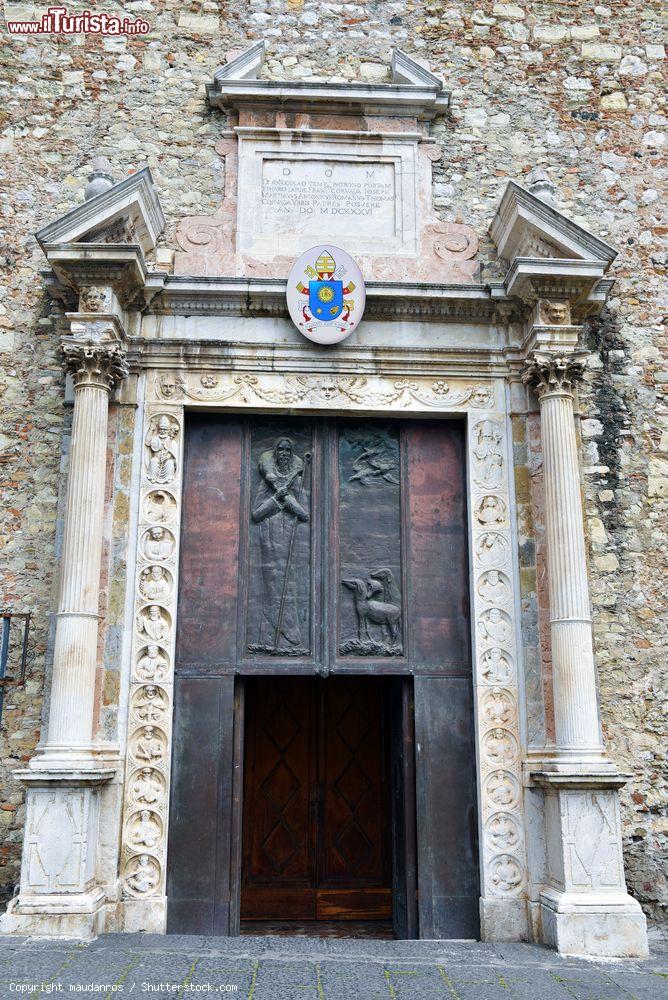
(578, 731)
(59, 894)
(584, 906)
(95, 366)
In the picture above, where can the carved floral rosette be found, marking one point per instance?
(496, 666)
(148, 755)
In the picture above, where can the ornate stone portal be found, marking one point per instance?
(222, 343)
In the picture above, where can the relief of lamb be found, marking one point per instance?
(378, 608)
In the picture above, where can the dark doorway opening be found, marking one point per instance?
(317, 803)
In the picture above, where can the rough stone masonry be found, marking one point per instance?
(575, 88)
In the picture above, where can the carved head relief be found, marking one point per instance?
(553, 313)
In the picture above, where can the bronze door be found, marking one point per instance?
(315, 547)
(316, 807)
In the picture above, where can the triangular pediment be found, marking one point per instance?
(128, 212)
(526, 226)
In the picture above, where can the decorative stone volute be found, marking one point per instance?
(554, 374)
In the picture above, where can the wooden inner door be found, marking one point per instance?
(316, 805)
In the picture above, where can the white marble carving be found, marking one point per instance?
(150, 703)
(502, 789)
(156, 583)
(495, 626)
(144, 830)
(158, 543)
(488, 437)
(498, 707)
(491, 511)
(492, 548)
(496, 666)
(147, 787)
(154, 623)
(160, 506)
(494, 587)
(142, 875)
(152, 664)
(161, 449)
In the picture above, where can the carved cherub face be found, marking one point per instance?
(157, 534)
(151, 691)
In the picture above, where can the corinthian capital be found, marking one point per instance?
(94, 362)
(553, 374)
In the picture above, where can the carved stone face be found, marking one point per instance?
(151, 691)
(154, 613)
(157, 534)
(163, 428)
(283, 452)
(168, 386)
(152, 651)
(156, 572)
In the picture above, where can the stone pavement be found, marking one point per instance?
(273, 968)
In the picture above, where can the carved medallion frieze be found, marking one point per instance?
(156, 583)
(154, 623)
(494, 587)
(496, 666)
(152, 663)
(142, 875)
(150, 703)
(160, 506)
(492, 548)
(158, 543)
(502, 789)
(506, 875)
(147, 787)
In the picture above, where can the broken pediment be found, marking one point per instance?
(318, 162)
(126, 212)
(414, 91)
(526, 225)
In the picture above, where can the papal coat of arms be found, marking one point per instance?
(326, 294)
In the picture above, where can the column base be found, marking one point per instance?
(594, 924)
(79, 915)
(504, 920)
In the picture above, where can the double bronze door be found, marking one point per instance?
(320, 552)
(316, 807)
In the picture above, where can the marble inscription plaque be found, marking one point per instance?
(325, 196)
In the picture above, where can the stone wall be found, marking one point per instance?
(572, 87)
